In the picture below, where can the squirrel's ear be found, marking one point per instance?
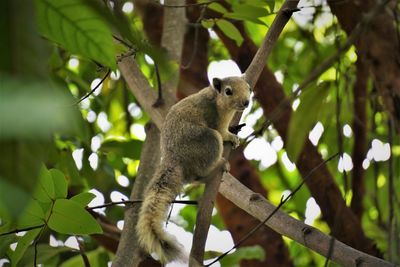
(217, 84)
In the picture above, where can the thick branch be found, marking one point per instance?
(174, 27)
(238, 222)
(257, 64)
(141, 88)
(360, 136)
(259, 207)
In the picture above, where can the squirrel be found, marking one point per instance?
(191, 143)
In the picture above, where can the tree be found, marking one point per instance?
(71, 131)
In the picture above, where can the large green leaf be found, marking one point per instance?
(33, 215)
(52, 185)
(230, 30)
(69, 217)
(23, 243)
(60, 183)
(76, 27)
(304, 118)
(45, 188)
(250, 10)
(217, 7)
(83, 199)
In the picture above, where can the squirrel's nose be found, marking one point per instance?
(246, 103)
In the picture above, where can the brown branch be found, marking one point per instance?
(281, 203)
(237, 221)
(359, 127)
(253, 71)
(260, 208)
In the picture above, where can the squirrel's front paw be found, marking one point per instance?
(234, 140)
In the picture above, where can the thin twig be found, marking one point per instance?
(130, 202)
(391, 192)
(281, 203)
(95, 88)
(187, 5)
(160, 100)
(197, 26)
(22, 230)
(36, 244)
(82, 252)
(122, 41)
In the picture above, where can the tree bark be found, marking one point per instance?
(360, 136)
(239, 222)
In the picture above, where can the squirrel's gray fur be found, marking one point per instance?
(192, 139)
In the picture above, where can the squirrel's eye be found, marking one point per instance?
(228, 91)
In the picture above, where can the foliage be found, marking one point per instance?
(58, 155)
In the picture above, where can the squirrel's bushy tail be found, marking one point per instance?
(161, 191)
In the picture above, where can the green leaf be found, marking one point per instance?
(230, 31)
(60, 184)
(23, 243)
(244, 253)
(67, 165)
(250, 10)
(217, 7)
(45, 188)
(129, 149)
(207, 23)
(5, 242)
(304, 118)
(83, 199)
(32, 215)
(76, 27)
(68, 217)
(271, 5)
(244, 17)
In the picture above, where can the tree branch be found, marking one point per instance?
(259, 60)
(360, 136)
(260, 208)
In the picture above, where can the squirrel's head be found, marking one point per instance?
(233, 91)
